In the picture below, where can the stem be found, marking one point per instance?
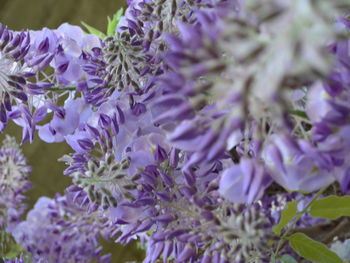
(342, 227)
(70, 88)
(326, 232)
(97, 180)
(61, 89)
(295, 220)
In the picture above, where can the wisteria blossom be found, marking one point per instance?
(209, 131)
(71, 235)
(14, 182)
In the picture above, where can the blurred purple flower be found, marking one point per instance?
(70, 233)
(14, 182)
(244, 183)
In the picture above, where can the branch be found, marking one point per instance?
(325, 233)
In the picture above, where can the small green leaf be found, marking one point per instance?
(299, 113)
(94, 31)
(331, 207)
(287, 259)
(312, 250)
(287, 214)
(15, 250)
(139, 245)
(112, 23)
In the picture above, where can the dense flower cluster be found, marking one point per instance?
(14, 182)
(71, 235)
(193, 127)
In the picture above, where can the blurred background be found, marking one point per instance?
(47, 175)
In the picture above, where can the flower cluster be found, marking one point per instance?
(57, 230)
(198, 127)
(14, 182)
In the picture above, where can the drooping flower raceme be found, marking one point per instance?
(14, 182)
(188, 126)
(71, 235)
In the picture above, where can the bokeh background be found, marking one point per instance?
(47, 175)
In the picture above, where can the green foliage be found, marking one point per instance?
(312, 250)
(112, 23)
(299, 113)
(9, 249)
(139, 245)
(93, 30)
(331, 207)
(14, 251)
(111, 27)
(287, 259)
(287, 215)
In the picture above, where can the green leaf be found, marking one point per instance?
(15, 250)
(312, 250)
(139, 245)
(299, 113)
(287, 214)
(94, 31)
(112, 23)
(331, 207)
(287, 259)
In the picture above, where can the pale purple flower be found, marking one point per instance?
(181, 125)
(66, 120)
(244, 183)
(70, 233)
(14, 182)
(295, 169)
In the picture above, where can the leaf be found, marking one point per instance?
(287, 259)
(94, 31)
(112, 23)
(299, 113)
(139, 245)
(331, 207)
(287, 214)
(312, 250)
(15, 250)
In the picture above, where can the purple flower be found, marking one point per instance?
(14, 183)
(66, 120)
(178, 123)
(16, 260)
(70, 233)
(67, 44)
(244, 183)
(317, 106)
(295, 169)
(13, 49)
